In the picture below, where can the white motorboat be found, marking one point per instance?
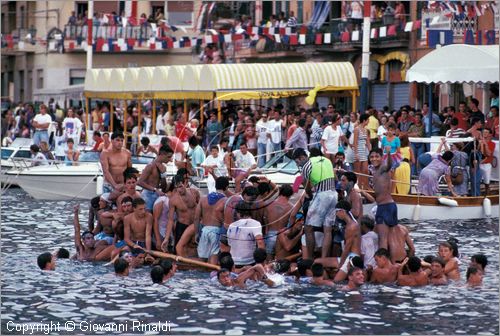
(19, 149)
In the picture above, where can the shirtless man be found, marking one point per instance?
(277, 215)
(182, 203)
(417, 276)
(451, 263)
(130, 190)
(114, 162)
(347, 182)
(138, 227)
(437, 276)
(356, 279)
(386, 271)
(86, 249)
(151, 176)
(254, 272)
(387, 210)
(318, 276)
(208, 220)
(398, 239)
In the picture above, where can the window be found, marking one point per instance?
(180, 13)
(6, 153)
(76, 76)
(81, 8)
(39, 79)
(300, 11)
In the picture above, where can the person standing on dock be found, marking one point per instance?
(114, 162)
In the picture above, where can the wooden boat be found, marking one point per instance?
(443, 207)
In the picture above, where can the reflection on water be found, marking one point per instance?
(87, 292)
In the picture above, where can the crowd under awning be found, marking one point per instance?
(220, 81)
(457, 63)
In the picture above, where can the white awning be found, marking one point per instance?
(457, 63)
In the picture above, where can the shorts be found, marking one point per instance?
(270, 239)
(107, 188)
(179, 230)
(239, 172)
(345, 266)
(318, 238)
(120, 244)
(486, 172)
(387, 214)
(321, 211)
(209, 244)
(141, 244)
(149, 197)
(223, 235)
(106, 237)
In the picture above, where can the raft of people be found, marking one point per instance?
(257, 234)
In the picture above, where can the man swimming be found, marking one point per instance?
(46, 261)
(254, 272)
(417, 277)
(85, 244)
(386, 271)
(451, 269)
(356, 279)
(318, 276)
(437, 276)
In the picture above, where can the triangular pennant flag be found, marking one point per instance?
(392, 30)
(177, 45)
(215, 38)
(170, 43)
(328, 38)
(345, 36)
(383, 31)
(159, 46)
(237, 37)
(408, 26)
(277, 38)
(417, 24)
(282, 31)
(355, 35)
(303, 30)
(318, 39)
(124, 47)
(373, 33)
(288, 31)
(71, 45)
(265, 30)
(250, 29)
(187, 42)
(105, 47)
(228, 38)
(116, 48)
(293, 39)
(208, 39)
(271, 31)
(152, 40)
(302, 39)
(20, 45)
(84, 45)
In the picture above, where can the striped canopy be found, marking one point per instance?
(221, 81)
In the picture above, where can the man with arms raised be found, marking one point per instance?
(138, 227)
(417, 276)
(387, 210)
(152, 175)
(85, 244)
(114, 162)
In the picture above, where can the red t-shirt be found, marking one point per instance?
(97, 143)
(489, 159)
(181, 131)
(462, 120)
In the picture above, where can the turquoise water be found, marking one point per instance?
(89, 295)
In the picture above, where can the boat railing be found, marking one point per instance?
(21, 164)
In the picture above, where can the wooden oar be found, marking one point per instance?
(183, 260)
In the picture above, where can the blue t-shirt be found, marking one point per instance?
(395, 144)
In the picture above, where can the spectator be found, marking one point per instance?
(492, 121)
(428, 182)
(454, 131)
(96, 136)
(41, 123)
(38, 159)
(262, 128)
(214, 129)
(292, 20)
(72, 155)
(476, 113)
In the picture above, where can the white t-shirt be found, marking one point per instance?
(261, 129)
(241, 237)
(381, 131)
(274, 128)
(163, 220)
(71, 126)
(60, 145)
(42, 119)
(332, 137)
(39, 159)
(369, 245)
(243, 161)
(160, 124)
(221, 169)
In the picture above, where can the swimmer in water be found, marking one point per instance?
(318, 276)
(474, 277)
(437, 276)
(257, 271)
(356, 279)
(451, 267)
(46, 261)
(121, 267)
(417, 276)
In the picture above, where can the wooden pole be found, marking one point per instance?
(353, 94)
(154, 116)
(183, 260)
(125, 122)
(201, 112)
(139, 116)
(185, 110)
(87, 128)
(219, 111)
(170, 108)
(111, 115)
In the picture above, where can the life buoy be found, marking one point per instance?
(487, 206)
(448, 202)
(99, 185)
(416, 212)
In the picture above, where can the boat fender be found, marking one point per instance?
(448, 202)
(487, 206)
(416, 212)
(99, 185)
(374, 211)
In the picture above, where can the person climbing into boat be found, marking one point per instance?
(130, 190)
(416, 276)
(428, 181)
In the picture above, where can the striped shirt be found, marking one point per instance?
(325, 185)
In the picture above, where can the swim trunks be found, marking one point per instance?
(387, 214)
(345, 267)
(104, 236)
(321, 211)
(209, 244)
(149, 197)
(223, 235)
(141, 244)
(107, 188)
(179, 230)
(120, 244)
(270, 240)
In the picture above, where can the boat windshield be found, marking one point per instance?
(93, 156)
(23, 153)
(6, 153)
(278, 164)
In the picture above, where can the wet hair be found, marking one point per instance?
(481, 259)
(317, 270)
(428, 258)
(438, 260)
(221, 183)
(137, 201)
(243, 208)
(177, 179)
(227, 262)
(157, 273)
(352, 270)
(367, 221)
(127, 199)
(471, 270)
(116, 135)
(222, 255)
(446, 244)
(263, 188)
(145, 141)
(382, 252)
(454, 245)
(94, 202)
(343, 204)
(182, 172)
(351, 177)
(165, 149)
(303, 265)
(357, 261)
(120, 265)
(166, 265)
(282, 266)
(62, 253)
(363, 117)
(193, 141)
(219, 272)
(297, 153)
(447, 156)
(250, 191)
(414, 264)
(286, 190)
(43, 259)
(378, 151)
(130, 171)
(259, 255)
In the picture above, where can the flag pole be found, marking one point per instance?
(365, 60)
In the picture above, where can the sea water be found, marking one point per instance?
(88, 298)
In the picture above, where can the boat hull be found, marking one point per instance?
(59, 188)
